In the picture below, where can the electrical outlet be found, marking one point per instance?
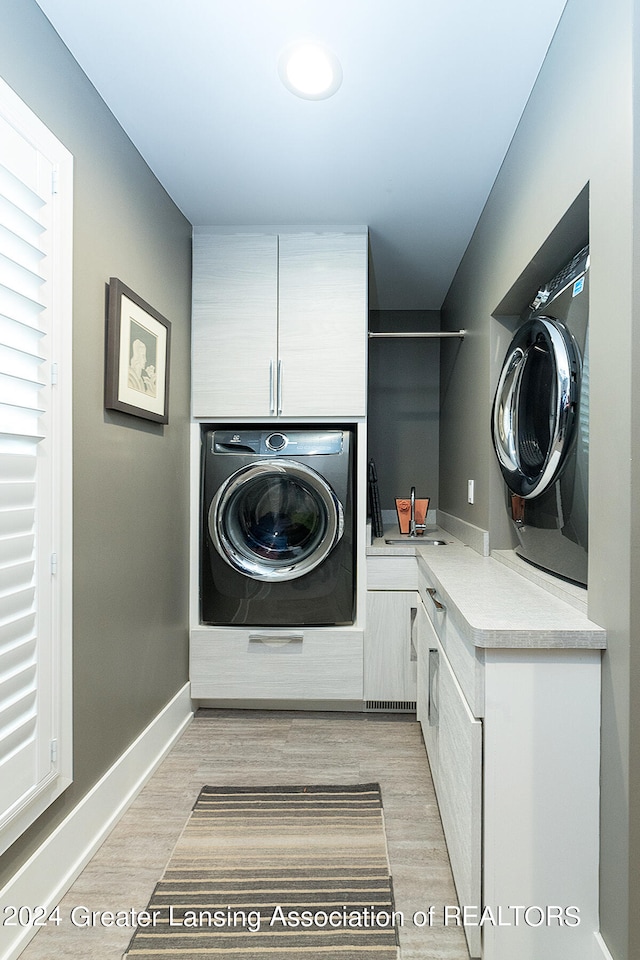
(470, 490)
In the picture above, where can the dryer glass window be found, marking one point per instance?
(277, 518)
(536, 406)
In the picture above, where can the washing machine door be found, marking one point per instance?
(534, 410)
(275, 520)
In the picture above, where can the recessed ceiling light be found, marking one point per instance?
(310, 70)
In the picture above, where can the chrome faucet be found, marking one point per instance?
(413, 526)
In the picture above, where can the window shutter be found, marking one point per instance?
(33, 666)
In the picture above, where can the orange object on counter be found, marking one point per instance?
(403, 509)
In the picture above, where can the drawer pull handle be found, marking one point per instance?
(292, 642)
(432, 593)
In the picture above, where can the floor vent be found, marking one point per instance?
(399, 706)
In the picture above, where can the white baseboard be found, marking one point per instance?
(601, 952)
(51, 870)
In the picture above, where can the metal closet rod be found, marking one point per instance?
(435, 333)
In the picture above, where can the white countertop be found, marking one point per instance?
(493, 605)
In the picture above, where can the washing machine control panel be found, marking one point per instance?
(270, 443)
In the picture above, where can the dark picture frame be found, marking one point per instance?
(138, 353)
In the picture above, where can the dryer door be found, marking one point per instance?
(275, 520)
(534, 410)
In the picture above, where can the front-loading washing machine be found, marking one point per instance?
(277, 533)
(540, 425)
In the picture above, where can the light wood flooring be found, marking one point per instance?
(264, 747)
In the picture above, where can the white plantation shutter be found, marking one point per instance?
(35, 544)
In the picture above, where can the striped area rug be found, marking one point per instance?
(279, 872)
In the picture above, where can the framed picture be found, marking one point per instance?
(137, 363)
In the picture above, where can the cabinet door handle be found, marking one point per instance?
(432, 593)
(272, 396)
(279, 402)
(432, 707)
(413, 654)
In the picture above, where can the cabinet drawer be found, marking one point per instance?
(427, 678)
(392, 573)
(466, 660)
(458, 782)
(240, 663)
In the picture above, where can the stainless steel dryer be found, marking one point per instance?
(277, 538)
(540, 425)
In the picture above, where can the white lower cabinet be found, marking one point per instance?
(390, 659)
(316, 663)
(517, 781)
(453, 738)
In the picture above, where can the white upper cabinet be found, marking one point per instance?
(279, 323)
(235, 335)
(323, 324)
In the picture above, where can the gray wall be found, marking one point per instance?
(404, 378)
(577, 130)
(130, 476)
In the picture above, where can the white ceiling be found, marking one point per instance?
(410, 144)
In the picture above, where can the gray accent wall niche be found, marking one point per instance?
(403, 405)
